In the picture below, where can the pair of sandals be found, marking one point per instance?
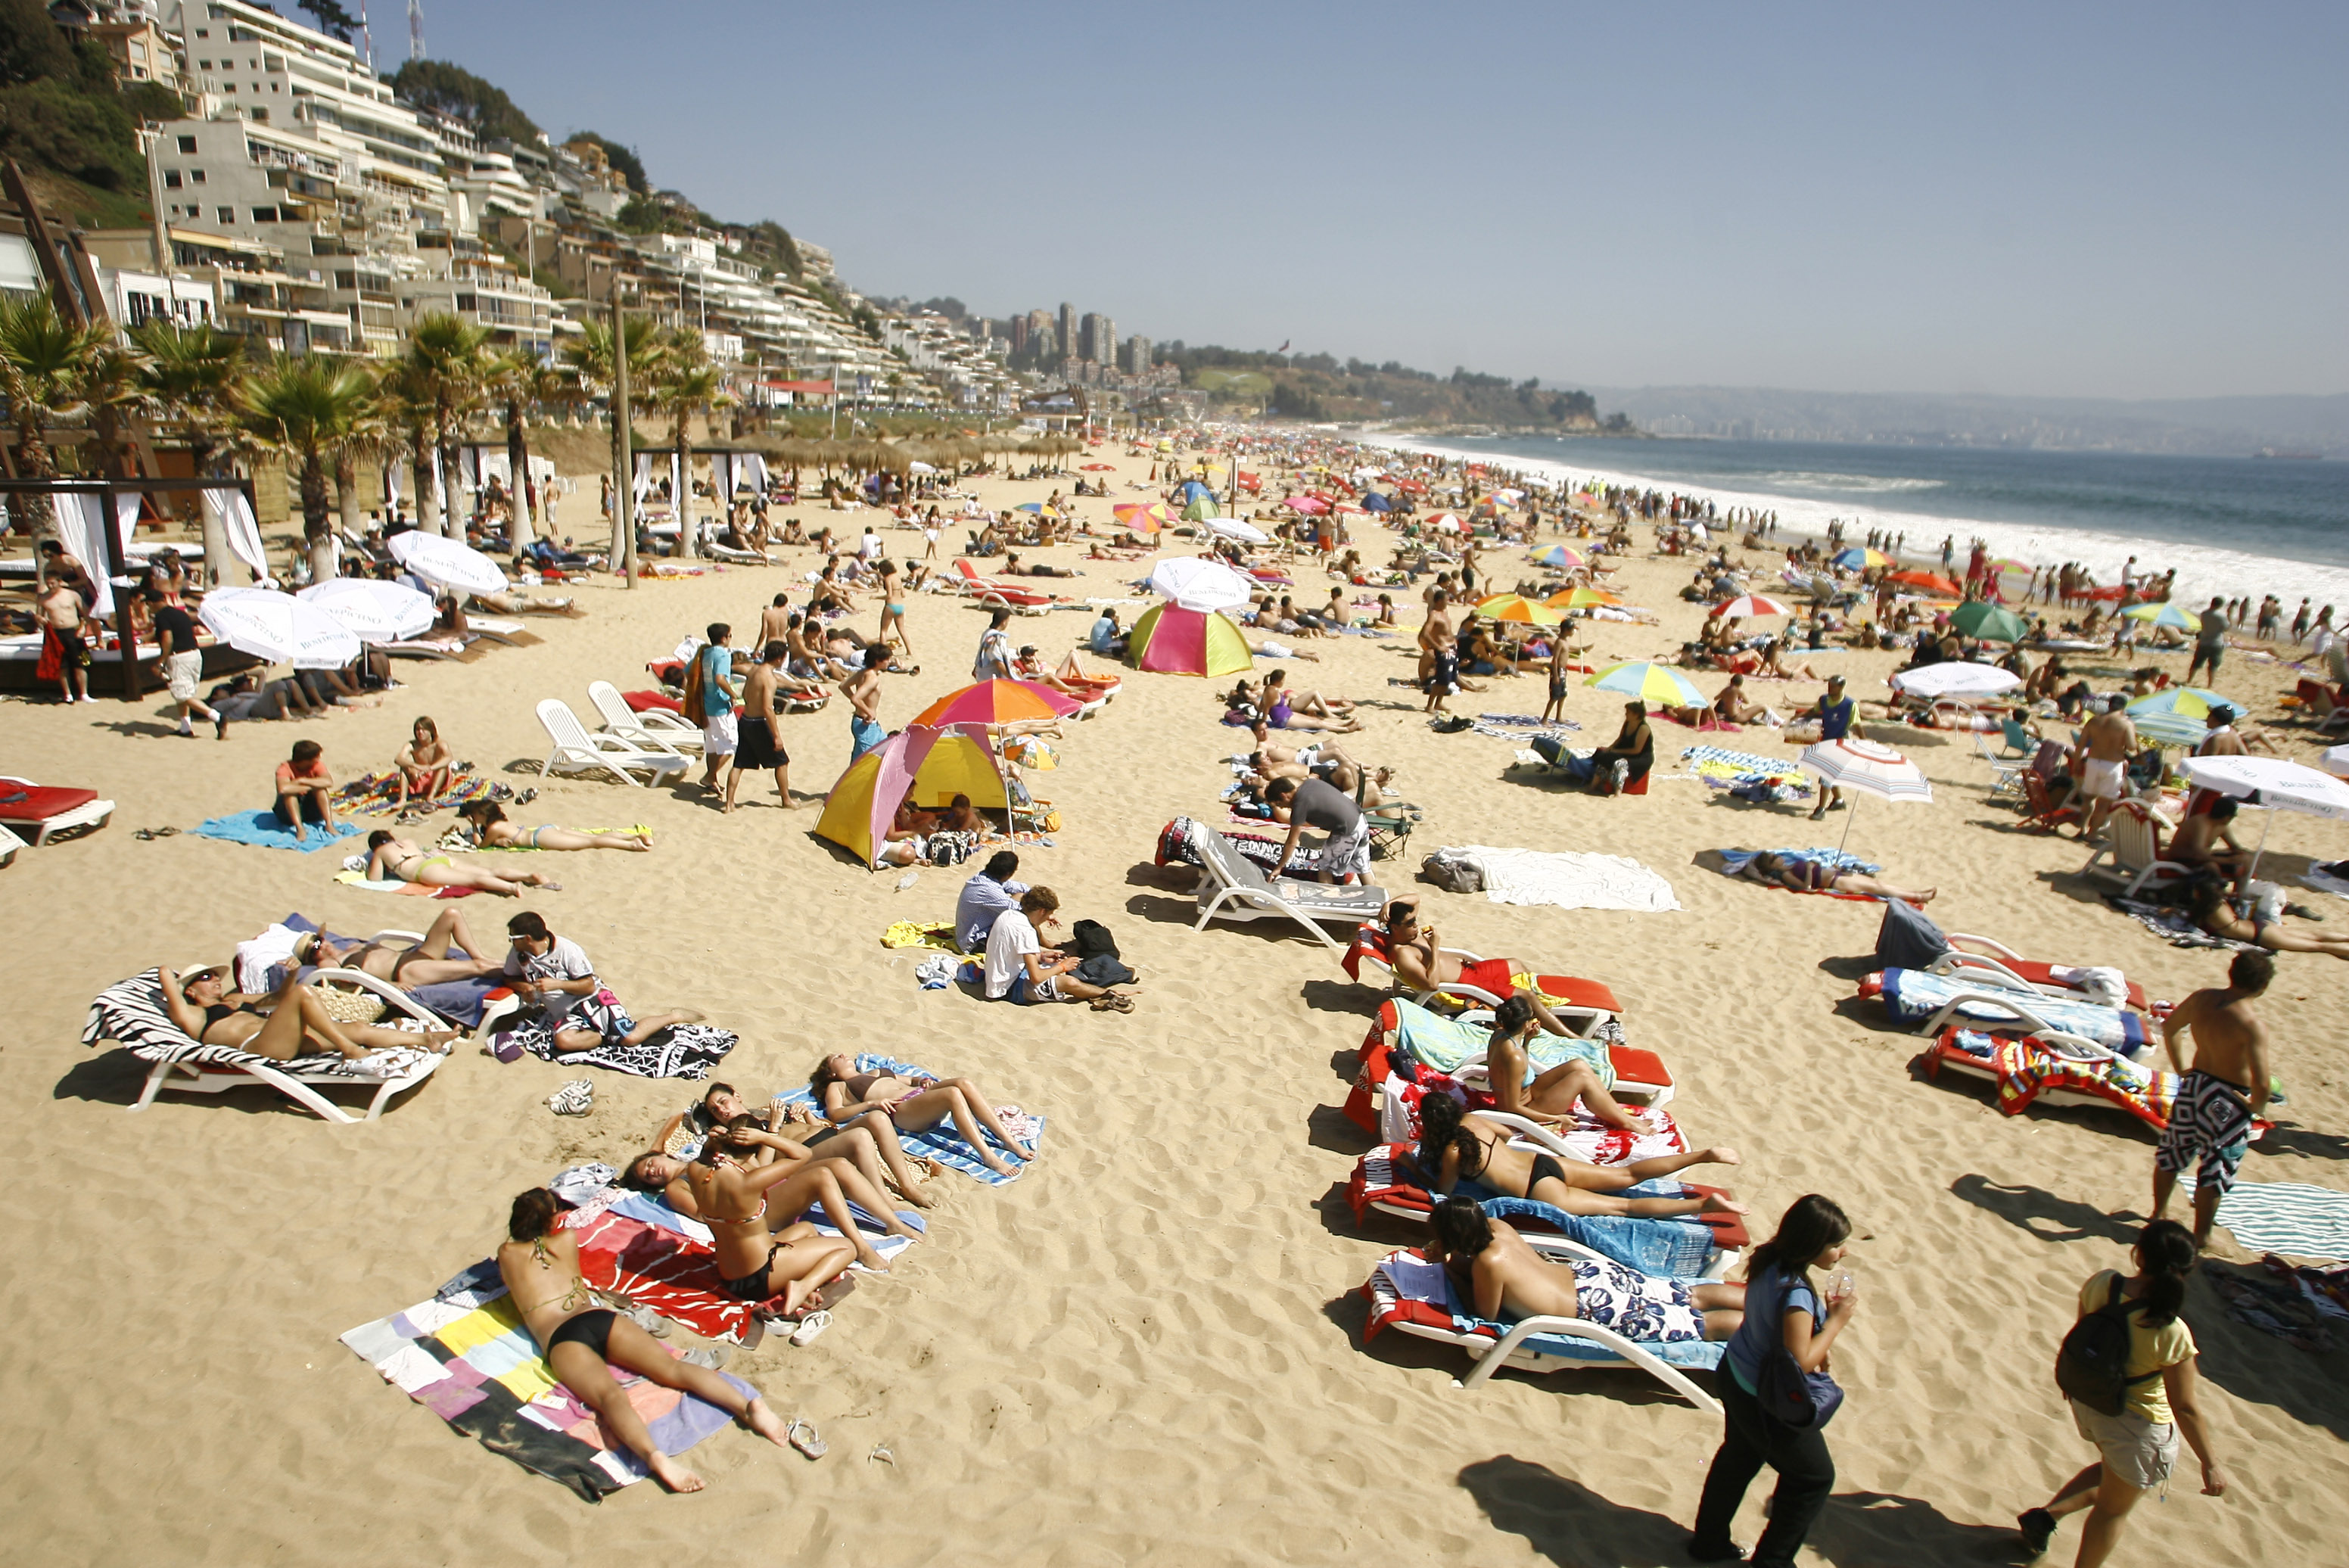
(147, 832)
(576, 1097)
(1112, 1001)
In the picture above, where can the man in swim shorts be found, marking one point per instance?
(2221, 1094)
(758, 745)
(2110, 737)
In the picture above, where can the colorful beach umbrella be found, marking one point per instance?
(1142, 516)
(1746, 604)
(1373, 501)
(1989, 623)
(1581, 599)
(1448, 522)
(2162, 612)
(1869, 767)
(1859, 558)
(1518, 610)
(1931, 581)
(1557, 555)
(997, 702)
(1306, 503)
(2178, 717)
(1658, 685)
(1171, 639)
(929, 766)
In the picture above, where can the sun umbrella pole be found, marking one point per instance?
(2267, 818)
(1851, 810)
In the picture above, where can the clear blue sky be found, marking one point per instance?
(2106, 201)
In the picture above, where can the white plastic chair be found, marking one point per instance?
(655, 729)
(577, 751)
(1231, 886)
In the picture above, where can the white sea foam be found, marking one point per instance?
(2203, 571)
(1862, 484)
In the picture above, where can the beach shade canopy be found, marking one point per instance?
(1306, 503)
(1864, 765)
(450, 562)
(1142, 516)
(1859, 558)
(1746, 604)
(931, 767)
(1446, 522)
(1201, 509)
(1557, 555)
(2179, 716)
(1522, 611)
(1986, 621)
(1172, 639)
(1660, 686)
(278, 628)
(1192, 489)
(1373, 501)
(2276, 782)
(376, 610)
(2162, 612)
(2335, 761)
(997, 702)
(1198, 582)
(1581, 599)
(1955, 678)
(1931, 581)
(1232, 528)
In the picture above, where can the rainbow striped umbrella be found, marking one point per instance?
(1860, 558)
(1659, 685)
(1557, 555)
(1142, 516)
(1173, 640)
(1516, 608)
(2178, 717)
(997, 702)
(1581, 599)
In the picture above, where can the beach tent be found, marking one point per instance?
(1172, 640)
(931, 766)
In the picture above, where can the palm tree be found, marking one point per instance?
(405, 403)
(590, 357)
(686, 383)
(42, 361)
(521, 381)
(447, 364)
(305, 411)
(193, 373)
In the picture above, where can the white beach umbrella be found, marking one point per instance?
(2276, 782)
(379, 612)
(1196, 582)
(919, 468)
(450, 562)
(278, 628)
(2336, 761)
(1956, 679)
(1232, 528)
(1864, 765)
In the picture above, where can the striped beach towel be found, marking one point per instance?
(1720, 762)
(942, 1142)
(2289, 1217)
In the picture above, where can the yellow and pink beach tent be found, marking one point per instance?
(1175, 641)
(930, 765)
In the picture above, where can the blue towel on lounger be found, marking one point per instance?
(1913, 996)
(1679, 1248)
(262, 828)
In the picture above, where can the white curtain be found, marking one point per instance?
(754, 471)
(230, 512)
(81, 523)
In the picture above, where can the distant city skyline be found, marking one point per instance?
(2097, 201)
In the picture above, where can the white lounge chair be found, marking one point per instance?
(2132, 853)
(577, 751)
(133, 1014)
(655, 729)
(40, 816)
(1231, 886)
(1407, 1293)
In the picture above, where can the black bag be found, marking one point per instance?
(1089, 937)
(2092, 1366)
(1790, 1396)
(1104, 969)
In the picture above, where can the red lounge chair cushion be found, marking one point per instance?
(42, 801)
(1592, 993)
(1635, 1066)
(651, 701)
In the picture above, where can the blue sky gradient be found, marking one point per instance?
(2106, 201)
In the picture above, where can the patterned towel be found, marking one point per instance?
(2172, 925)
(131, 1013)
(1404, 1280)
(2025, 1069)
(2288, 1217)
(465, 1356)
(1719, 762)
(680, 1051)
(377, 795)
(942, 1142)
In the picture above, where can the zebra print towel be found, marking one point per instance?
(131, 1013)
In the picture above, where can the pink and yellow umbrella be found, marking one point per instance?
(1142, 516)
(1581, 599)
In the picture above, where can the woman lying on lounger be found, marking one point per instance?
(747, 1184)
(291, 1022)
(486, 821)
(1456, 1146)
(916, 1105)
(584, 1342)
(1797, 874)
(391, 859)
(427, 963)
(1491, 1266)
(1549, 1096)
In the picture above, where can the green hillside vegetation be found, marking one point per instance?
(460, 95)
(1322, 387)
(63, 119)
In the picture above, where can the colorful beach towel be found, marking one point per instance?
(942, 1142)
(360, 879)
(1446, 1043)
(1719, 762)
(939, 934)
(464, 1354)
(2288, 1217)
(377, 795)
(2024, 1069)
(263, 829)
(2173, 926)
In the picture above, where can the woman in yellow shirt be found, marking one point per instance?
(2140, 1444)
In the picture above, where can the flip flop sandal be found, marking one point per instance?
(883, 1455)
(810, 1328)
(809, 1444)
(712, 1356)
(575, 1098)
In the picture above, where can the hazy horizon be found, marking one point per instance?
(2141, 203)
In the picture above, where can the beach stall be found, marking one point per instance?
(929, 767)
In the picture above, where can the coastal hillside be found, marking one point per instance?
(1319, 387)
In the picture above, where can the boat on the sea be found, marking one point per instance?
(2283, 454)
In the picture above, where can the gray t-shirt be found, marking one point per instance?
(1325, 807)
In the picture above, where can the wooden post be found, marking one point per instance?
(624, 483)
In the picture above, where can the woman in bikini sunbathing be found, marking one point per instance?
(871, 1140)
(424, 764)
(291, 1022)
(584, 1342)
(915, 1105)
(427, 962)
(1456, 1146)
(1796, 874)
(746, 1182)
(391, 859)
(2216, 916)
(487, 821)
(1550, 1096)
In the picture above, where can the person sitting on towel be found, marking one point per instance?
(984, 897)
(1798, 874)
(539, 1262)
(291, 1022)
(1456, 1146)
(426, 963)
(1492, 1267)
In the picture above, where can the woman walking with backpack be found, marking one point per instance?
(1776, 1368)
(2127, 1369)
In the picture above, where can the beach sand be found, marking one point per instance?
(1148, 1348)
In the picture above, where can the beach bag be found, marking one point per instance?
(2091, 1366)
(1089, 937)
(1453, 870)
(949, 848)
(1104, 969)
(1792, 1397)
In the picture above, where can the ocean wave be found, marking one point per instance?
(2203, 571)
(1858, 484)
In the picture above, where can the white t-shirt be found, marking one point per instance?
(563, 960)
(872, 546)
(1007, 946)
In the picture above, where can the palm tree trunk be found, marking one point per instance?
(34, 462)
(518, 466)
(419, 467)
(688, 540)
(317, 526)
(346, 490)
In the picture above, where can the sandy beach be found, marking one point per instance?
(1148, 1348)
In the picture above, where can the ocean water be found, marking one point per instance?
(2229, 525)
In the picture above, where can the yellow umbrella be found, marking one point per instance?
(1581, 599)
(1517, 608)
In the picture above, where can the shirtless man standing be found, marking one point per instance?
(2222, 1094)
(758, 745)
(775, 622)
(1439, 658)
(59, 610)
(862, 691)
(2111, 739)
